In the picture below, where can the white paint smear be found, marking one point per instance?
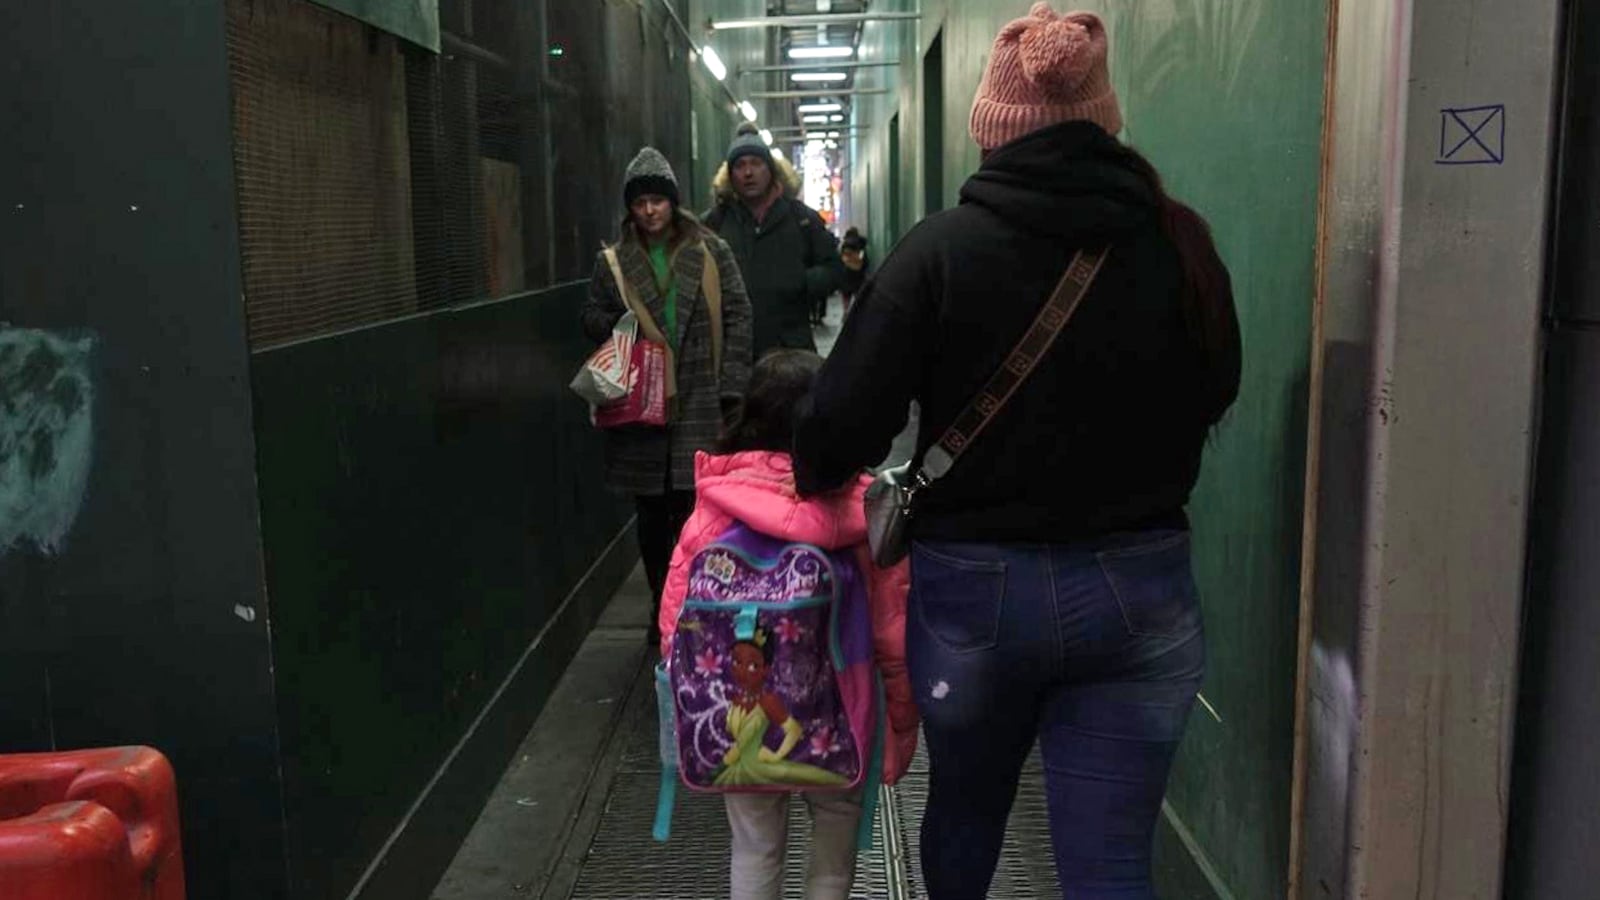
(46, 435)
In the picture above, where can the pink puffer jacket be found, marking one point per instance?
(758, 490)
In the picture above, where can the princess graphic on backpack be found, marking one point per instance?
(783, 648)
(751, 714)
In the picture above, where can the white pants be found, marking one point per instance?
(760, 824)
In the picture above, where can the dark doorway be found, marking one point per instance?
(872, 219)
(894, 179)
(933, 127)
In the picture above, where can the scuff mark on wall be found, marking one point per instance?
(1184, 41)
(46, 435)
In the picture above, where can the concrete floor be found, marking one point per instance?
(523, 843)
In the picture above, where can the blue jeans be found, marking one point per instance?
(1096, 650)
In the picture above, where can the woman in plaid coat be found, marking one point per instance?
(663, 254)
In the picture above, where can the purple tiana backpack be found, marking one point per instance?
(770, 685)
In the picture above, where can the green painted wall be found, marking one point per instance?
(716, 116)
(1226, 98)
(430, 497)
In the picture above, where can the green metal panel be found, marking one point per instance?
(430, 495)
(1226, 98)
(717, 117)
(415, 20)
(131, 605)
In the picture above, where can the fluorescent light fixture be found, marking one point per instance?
(714, 63)
(778, 153)
(816, 137)
(818, 120)
(814, 77)
(832, 145)
(749, 109)
(836, 118)
(820, 107)
(766, 136)
(822, 52)
(834, 134)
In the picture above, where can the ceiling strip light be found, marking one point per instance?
(714, 63)
(822, 52)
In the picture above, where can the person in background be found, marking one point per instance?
(663, 253)
(789, 258)
(857, 265)
(1052, 594)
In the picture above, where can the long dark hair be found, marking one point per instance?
(1208, 309)
(766, 417)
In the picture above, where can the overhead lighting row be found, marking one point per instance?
(821, 52)
(719, 70)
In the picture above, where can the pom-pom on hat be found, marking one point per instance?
(1045, 69)
(749, 142)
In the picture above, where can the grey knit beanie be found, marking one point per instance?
(749, 143)
(649, 173)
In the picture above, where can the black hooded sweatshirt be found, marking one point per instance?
(1105, 436)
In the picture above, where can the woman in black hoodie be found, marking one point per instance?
(1052, 593)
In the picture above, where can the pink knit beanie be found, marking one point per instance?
(1045, 69)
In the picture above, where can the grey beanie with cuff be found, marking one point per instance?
(650, 173)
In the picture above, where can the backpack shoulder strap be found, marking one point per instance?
(711, 287)
(665, 799)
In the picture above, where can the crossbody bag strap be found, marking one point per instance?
(647, 322)
(1047, 326)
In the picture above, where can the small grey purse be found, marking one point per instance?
(891, 500)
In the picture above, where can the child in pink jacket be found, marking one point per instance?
(752, 482)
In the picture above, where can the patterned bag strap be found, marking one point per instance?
(1047, 326)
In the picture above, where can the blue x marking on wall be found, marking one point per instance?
(1474, 136)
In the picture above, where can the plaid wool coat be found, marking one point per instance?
(645, 461)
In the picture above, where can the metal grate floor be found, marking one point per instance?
(623, 861)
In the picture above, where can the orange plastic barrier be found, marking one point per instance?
(89, 825)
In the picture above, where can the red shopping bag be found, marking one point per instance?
(646, 401)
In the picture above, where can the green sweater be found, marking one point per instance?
(667, 284)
